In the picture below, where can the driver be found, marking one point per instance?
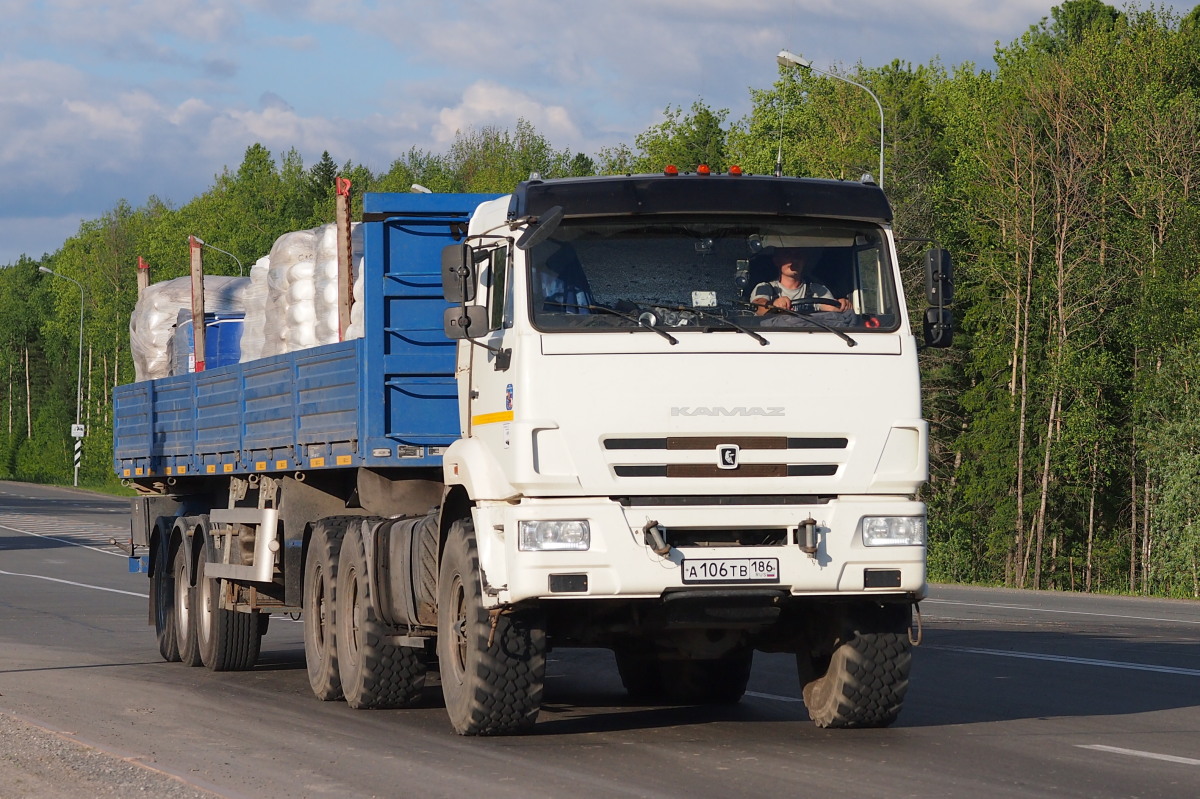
(793, 284)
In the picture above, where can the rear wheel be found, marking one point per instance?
(862, 682)
(718, 681)
(162, 601)
(229, 641)
(185, 621)
(492, 676)
(320, 582)
(374, 673)
(639, 674)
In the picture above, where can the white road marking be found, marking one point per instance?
(1187, 761)
(1110, 664)
(1052, 610)
(72, 582)
(776, 697)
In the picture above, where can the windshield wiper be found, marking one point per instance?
(808, 318)
(604, 309)
(708, 315)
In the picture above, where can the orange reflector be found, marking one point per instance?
(703, 169)
(735, 170)
(671, 170)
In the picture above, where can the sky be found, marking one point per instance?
(104, 100)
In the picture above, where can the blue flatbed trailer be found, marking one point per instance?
(386, 400)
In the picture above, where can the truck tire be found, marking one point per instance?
(320, 596)
(184, 601)
(864, 680)
(719, 681)
(229, 641)
(162, 602)
(489, 690)
(374, 674)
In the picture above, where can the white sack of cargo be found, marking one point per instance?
(153, 320)
(293, 258)
(255, 299)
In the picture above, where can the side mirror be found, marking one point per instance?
(535, 234)
(939, 278)
(465, 321)
(458, 273)
(939, 327)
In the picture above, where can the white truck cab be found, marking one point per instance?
(653, 462)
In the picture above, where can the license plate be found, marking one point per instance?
(730, 570)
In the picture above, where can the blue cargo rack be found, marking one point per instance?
(388, 399)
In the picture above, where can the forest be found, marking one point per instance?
(1065, 421)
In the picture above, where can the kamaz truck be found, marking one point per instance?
(565, 425)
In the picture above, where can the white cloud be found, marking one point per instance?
(488, 103)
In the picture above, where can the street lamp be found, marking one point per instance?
(787, 58)
(77, 430)
(204, 243)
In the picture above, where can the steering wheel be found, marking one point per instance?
(818, 301)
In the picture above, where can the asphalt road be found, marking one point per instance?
(1014, 694)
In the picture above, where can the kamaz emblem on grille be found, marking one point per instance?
(719, 410)
(727, 456)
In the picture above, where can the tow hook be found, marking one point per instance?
(652, 531)
(807, 535)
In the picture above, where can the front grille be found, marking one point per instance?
(676, 456)
(712, 442)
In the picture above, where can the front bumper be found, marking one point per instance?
(622, 563)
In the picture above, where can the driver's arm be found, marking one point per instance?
(764, 296)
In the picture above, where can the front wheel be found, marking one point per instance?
(864, 679)
(492, 668)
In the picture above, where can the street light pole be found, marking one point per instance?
(77, 430)
(787, 58)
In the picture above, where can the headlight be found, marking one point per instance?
(555, 535)
(884, 531)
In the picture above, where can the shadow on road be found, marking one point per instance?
(33, 542)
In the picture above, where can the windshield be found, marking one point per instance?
(723, 273)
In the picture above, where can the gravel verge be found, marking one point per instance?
(36, 762)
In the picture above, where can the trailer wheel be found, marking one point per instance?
(320, 593)
(863, 682)
(492, 676)
(719, 681)
(229, 641)
(374, 673)
(162, 602)
(186, 643)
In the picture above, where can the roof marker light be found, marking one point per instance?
(735, 170)
(703, 169)
(671, 170)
